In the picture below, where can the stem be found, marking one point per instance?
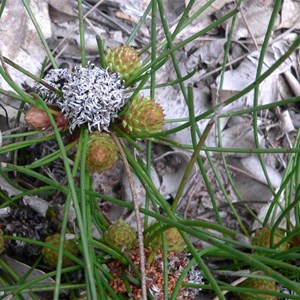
(191, 163)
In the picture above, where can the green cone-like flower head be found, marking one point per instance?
(143, 116)
(50, 256)
(174, 241)
(258, 284)
(262, 239)
(124, 61)
(120, 235)
(102, 152)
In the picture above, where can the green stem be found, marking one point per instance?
(100, 44)
(264, 48)
(81, 32)
(90, 277)
(191, 163)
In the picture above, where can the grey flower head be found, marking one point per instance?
(55, 78)
(91, 96)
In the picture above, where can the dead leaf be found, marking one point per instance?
(290, 14)
(140, 193)
(171, 181)
(21, 270)
(239, 78)
(19, 40)
(175, 107)
(8, 188)
(5, 212)
(257, 19)
(211, 9)
(252, 165)
(239, 136)
(274, 215)
(37, 204)
(63, 7)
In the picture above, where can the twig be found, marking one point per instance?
(285, 33)
(138, 217)
(6, 115)
(4, 66)
(249, 29)
(227, 65)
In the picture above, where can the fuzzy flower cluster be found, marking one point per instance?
(56, 78)
(91, 96)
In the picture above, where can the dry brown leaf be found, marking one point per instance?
(8, 188)
(175, 106)
(211, 9)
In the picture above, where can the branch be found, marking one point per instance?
(138, 217)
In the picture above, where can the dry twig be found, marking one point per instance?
(138, 217)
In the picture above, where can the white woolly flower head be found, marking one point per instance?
(91, 96)
(55, 78)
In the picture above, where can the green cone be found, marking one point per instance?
(102, 152)
(50, 256)
(120, 235)
(143, 116)
(124, 61)
(263, 236)
(258, 284)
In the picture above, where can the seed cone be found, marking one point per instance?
(174, 241)
(123, 60)
(143, 116)
(102, 152)
(263, 236)
(258, 284)
(50, 256)
(61, 121)
(37, 119)
(120, 235)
